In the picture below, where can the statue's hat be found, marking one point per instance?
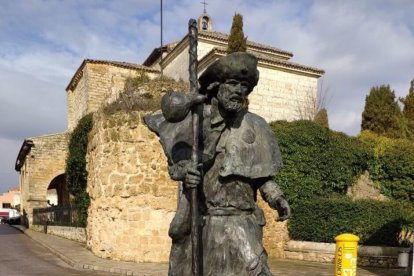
(239, 66)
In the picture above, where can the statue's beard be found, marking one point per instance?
(232, 104)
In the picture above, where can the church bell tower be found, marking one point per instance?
(204, 20)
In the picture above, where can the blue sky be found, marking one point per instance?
(358, 43)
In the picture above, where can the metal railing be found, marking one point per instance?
(57, 215)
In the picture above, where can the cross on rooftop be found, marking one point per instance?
(204, 3)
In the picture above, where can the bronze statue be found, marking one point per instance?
(238, 156)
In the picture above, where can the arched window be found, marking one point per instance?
(204, 24)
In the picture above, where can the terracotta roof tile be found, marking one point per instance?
(155, 54)
(225, 37)
(273, 60)
(270, 59)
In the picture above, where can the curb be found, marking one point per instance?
(21, 228)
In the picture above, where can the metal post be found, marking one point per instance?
(45, 226)
(410, 269)
(161, 43)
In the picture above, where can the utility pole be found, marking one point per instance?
(161, 42)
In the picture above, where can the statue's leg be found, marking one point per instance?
(180, 225)
(262, 268)
(232, 246)
(180, 255)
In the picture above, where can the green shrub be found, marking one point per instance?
(377, 145)
(398, 171)
(317, 161)
(76, 174)
(392, 166)
(141, 93)
(374, 222)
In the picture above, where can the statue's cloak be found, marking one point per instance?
(251, 149)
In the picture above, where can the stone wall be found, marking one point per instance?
(275, 234)
(369, 256)
(133, 200)
(77, 234)
(78, 100)
(132, 197)
(100, 83)
(71, 233)
(281, 95)
(44, 162)
(105, 82)
(364, 188)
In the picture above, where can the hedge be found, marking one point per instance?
(392, 165)
(374, 222)
(317, 161)
(320, 165)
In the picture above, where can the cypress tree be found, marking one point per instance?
(237, 41)
(382, 114)
(321, 118)
(408, 111)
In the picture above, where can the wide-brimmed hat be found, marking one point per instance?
(239, 66)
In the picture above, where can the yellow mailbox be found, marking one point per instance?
(346, 255)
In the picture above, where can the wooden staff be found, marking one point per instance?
(196, 113)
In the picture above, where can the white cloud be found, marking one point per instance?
(358, 43)
(30, 106)
(346, 120)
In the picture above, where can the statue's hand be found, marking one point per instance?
(176, 105)
(196, 99)
(192, 178)
(178, 170)
(283, 209)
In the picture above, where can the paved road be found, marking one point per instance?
(303, 268)
(21, 256)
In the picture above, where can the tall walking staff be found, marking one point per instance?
(196, 113)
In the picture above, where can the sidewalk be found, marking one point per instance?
(79, 257)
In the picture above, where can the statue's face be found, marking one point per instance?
(232, 95)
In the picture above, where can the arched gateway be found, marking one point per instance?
(41, 163)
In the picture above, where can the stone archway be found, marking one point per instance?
(59, 184)
(41, 164)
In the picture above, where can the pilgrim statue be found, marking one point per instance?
(238, 157)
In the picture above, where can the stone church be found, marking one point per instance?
(132, 197)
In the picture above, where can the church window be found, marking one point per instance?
(205, 24)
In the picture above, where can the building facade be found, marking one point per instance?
(132, 198)
(10, 199)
